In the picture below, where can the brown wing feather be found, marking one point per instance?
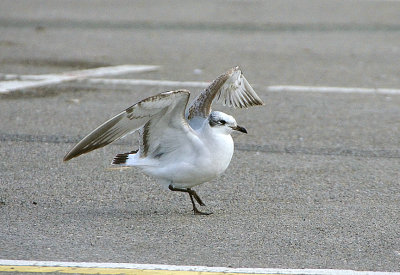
(129, 121)
(231, 87)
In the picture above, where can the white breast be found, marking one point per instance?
(187, 168)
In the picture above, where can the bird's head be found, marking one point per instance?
(224, 123)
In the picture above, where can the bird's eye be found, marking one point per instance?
(222, 122)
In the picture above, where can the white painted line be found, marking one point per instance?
(192, 268)
(19, 82)
(29, 82)
(112, 70)
(317, 89)
(280, 88)
(147, 82)
(16, 77)
(11, 86)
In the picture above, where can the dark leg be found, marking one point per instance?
(187, 190)
(192, 195)
(195, 210)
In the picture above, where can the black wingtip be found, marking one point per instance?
(67, 157)
(74, 153)
(122, 158)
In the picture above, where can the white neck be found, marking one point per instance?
(218, 140)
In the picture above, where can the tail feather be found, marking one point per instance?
(121, 159)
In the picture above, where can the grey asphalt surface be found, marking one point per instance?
(315, 183)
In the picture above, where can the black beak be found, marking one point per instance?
(240, 129)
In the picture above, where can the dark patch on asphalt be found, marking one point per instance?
(201, 26)
(8, 43)
(338, 151)
(75, 64)
(38, 138)
(266, 148)
(46, 91)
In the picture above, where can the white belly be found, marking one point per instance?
(185, 172)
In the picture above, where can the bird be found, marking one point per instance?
(180, 145)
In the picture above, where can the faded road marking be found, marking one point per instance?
(12, 83)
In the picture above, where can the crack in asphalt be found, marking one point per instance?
(265, 148)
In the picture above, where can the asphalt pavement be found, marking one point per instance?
(315, 183)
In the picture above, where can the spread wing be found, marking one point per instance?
(171, 105)
(232, 87)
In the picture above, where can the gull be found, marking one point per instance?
(180, 146)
